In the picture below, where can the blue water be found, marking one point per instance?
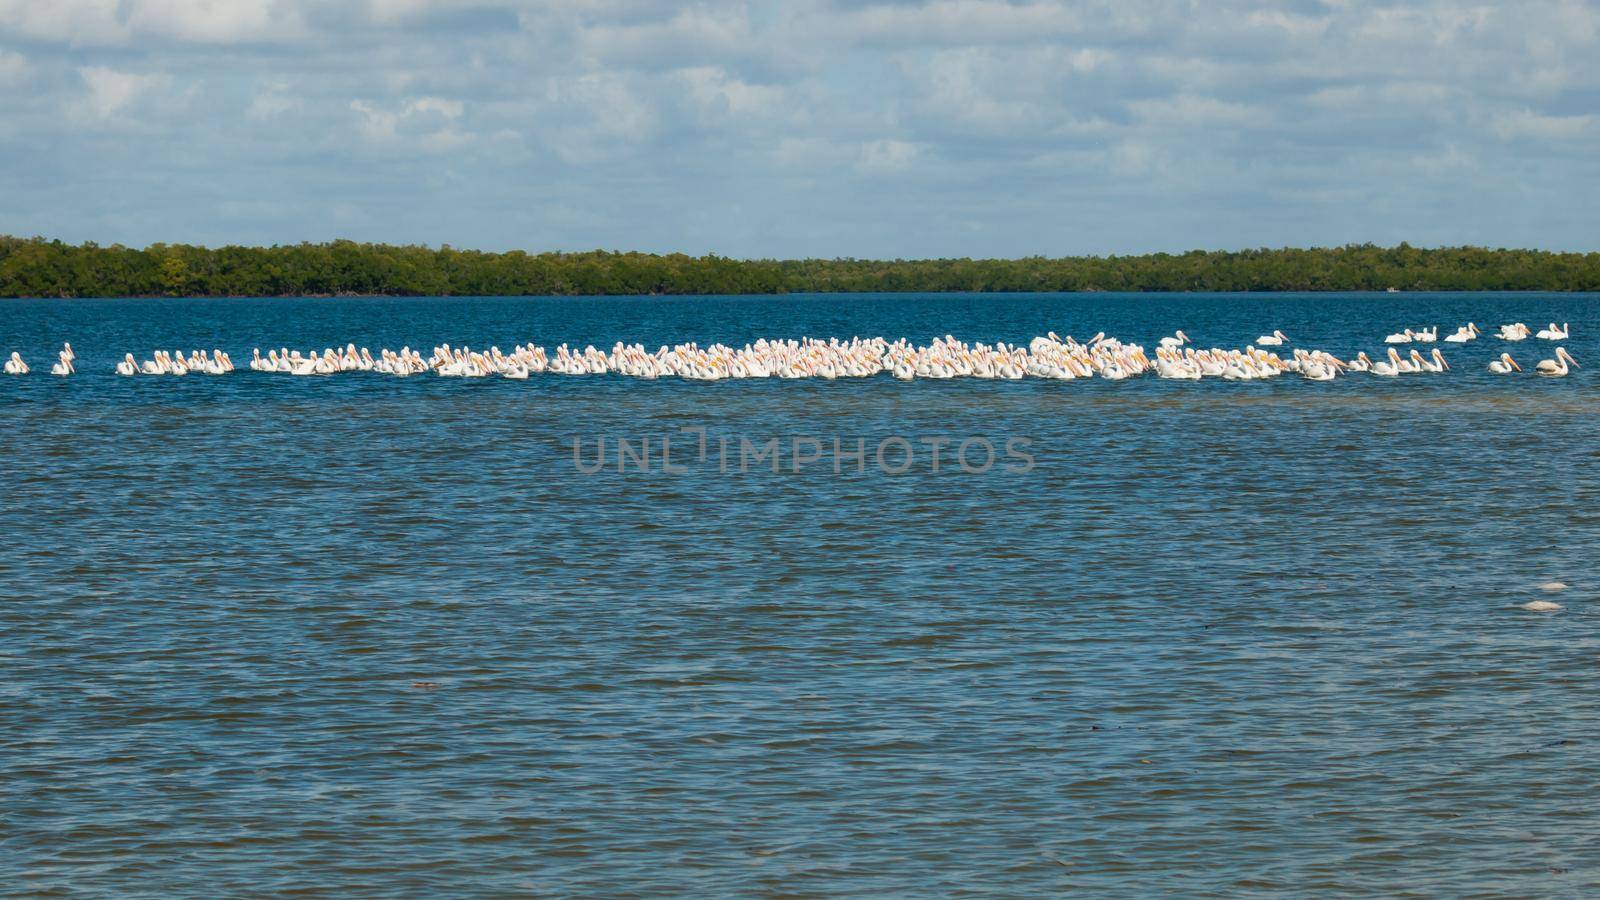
(375, 636)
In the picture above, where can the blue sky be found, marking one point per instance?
(806, 128)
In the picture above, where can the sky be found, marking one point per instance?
(805, 128)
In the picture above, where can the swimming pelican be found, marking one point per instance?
(63, 364)
(1553, 333)
(1274, 339)
(1325, 368)
(1404, 337)
(1434, 362)
(15, 365)
(1505, 365)
(1467, 332)
(1516, 331)
(1388, 368)
(1555, 368)
(128, 366)
(1178, 339)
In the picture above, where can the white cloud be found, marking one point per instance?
(418, 125)
(599, 118)
(813, 153)
(274, 99)
(14, 67)
(1189, 111)
(695, 32)
(102, 22)
(1445, 162)
(212, 21)
(111, 91)
(72, 21)
(376, 124)
(718, 93)
(450, 109)
(1133, 158)
(957, 23)
(888, 156)
(1525, 123)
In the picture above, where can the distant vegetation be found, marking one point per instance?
(39, 268)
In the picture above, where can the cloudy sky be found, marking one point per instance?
(806, 127)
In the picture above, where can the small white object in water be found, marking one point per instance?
(1553, 586)
(1541, 606)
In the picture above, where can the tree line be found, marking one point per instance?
(35, 267)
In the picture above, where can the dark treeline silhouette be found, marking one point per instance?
(40, 268)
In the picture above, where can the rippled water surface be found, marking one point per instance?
(375, 636)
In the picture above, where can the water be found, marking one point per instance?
(380, 636)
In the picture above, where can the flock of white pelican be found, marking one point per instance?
(1049, 357)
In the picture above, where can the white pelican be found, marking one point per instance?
(1434, 362)
(1516, 331)
(1467, 332)
(1542, 606)
(1505, 365)
(1320, 369)
(15, 365)
(1553, 333)
(1426, 335)
(1557, 367)
(63, 364)
(1388, 368)
(128, 366)
(1178, 339)
(1274, 339)
(1404, 337)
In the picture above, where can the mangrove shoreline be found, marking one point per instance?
(35, 267)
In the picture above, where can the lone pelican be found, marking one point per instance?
(1178, 339)
(1274, 339)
